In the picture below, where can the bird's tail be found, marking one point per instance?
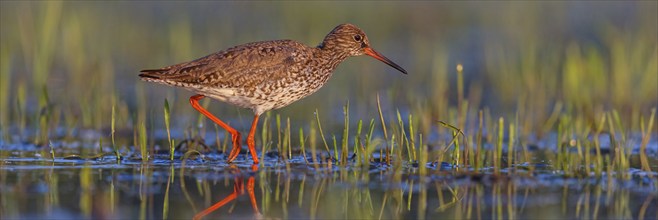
(165, 76)
(152, 74)
(161, 76)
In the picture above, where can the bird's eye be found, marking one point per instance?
(357, 37)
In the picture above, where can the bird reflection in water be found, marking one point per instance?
(238, 190)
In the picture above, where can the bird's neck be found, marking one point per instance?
(330, 57)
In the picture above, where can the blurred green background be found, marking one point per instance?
(72, 61)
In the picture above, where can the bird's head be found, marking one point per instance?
(349, 39)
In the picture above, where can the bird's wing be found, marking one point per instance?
(237, 67)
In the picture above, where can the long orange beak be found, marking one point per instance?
(370, 52)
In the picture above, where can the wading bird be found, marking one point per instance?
(265, 75)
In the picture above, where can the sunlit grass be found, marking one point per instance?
(346, 134)
(646, 136)
(166, 119)
(4, 92)
(115, 148)
(324, 141)
(143, 147)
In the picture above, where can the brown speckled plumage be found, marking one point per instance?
(266, 75)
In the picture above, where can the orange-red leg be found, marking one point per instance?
(250, 189)
(252, 195)
(250, 139)
(235, 135)
(238, 189)
(216, 206)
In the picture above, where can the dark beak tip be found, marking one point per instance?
(399, 68)
(380, 57)
(402, 70)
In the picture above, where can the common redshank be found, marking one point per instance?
(265, 75)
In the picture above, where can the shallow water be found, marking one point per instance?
(101, 188)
